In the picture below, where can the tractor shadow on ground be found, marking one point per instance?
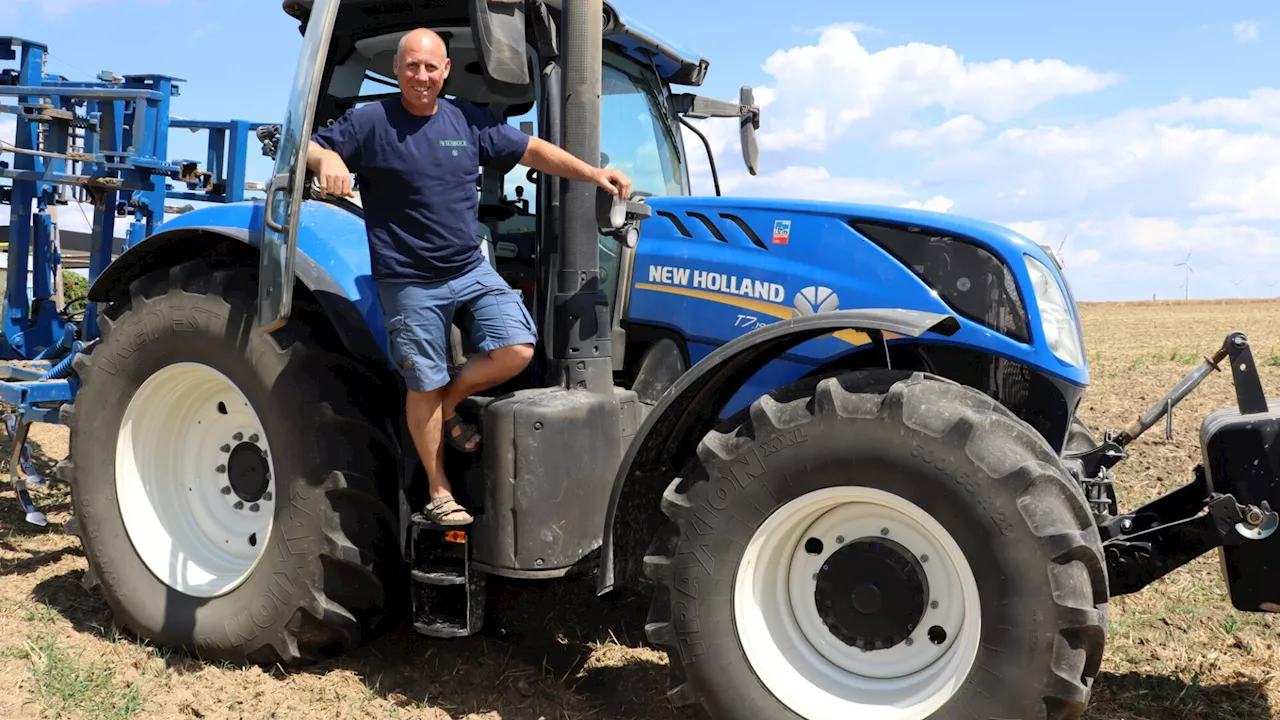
(548, 650)
(1140, 696)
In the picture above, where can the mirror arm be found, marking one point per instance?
(711, 158)
(699, 107)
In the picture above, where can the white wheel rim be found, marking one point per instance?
(188, 524)
(810, 670)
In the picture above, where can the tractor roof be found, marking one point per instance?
(675, 64)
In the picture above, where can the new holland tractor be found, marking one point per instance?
(837, 443)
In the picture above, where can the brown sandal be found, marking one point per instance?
(455, 437)
(444, 510)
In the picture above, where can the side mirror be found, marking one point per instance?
(747, 126)
(499, 30)
(698, 107)
(620, 218)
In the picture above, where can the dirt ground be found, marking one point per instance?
(1177, 649)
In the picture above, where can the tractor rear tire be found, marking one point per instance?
(880, 545)
(232, 490)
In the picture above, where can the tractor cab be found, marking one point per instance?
(510, 59)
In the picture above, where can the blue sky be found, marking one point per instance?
(1133, 131)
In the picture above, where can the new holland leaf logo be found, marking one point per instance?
(816, 299)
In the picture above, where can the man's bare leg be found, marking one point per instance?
(482, 372)
(425, 425)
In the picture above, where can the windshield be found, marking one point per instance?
(636, 136)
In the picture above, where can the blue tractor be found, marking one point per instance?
(837, 443)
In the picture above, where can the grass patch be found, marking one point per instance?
(1182, 357)
(1273, 360)
(65, 685)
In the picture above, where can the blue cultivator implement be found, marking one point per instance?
(108, 139)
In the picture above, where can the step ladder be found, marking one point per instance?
(448, 595)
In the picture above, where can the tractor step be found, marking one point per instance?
(448, 594)
(439, 578)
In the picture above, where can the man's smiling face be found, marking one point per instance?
(421, 67)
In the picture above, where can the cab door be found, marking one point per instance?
(285, 191)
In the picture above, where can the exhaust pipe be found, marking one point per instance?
(581, 330)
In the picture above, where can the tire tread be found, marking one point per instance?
(993, 437)
(324, 621)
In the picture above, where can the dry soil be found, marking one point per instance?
(1177, 649)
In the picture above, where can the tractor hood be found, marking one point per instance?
(736, 263)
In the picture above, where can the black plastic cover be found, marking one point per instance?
(499, 29)
(1242, 458)
(549, 458)
(971, 279)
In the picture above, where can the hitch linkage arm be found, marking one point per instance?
(1145, 545)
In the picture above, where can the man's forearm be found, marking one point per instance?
(316, 155)
(545, 157)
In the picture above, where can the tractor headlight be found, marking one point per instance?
(1059, 327)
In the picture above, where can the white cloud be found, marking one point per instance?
(937, 203)
(1245, 31)
(1129, 193)
(1155, 162)
(963, 129)
(8, 125)
(853, 27)
(809, 183)
(822, 91)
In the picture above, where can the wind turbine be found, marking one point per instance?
(1190, 271)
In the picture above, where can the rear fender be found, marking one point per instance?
(332, 263)
(692, 407)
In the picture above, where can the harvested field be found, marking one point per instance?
(1177, 650)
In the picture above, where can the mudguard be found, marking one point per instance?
(692, 407)
(332, 263)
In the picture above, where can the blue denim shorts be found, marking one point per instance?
(418, 316)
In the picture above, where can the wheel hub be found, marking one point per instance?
(194, 479)
(885, 565)
(871, 593)
(248, 473)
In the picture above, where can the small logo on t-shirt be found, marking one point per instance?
(455, 144)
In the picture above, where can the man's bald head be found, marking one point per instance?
(421, 67)
(422, 38)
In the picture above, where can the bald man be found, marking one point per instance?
(418, 158)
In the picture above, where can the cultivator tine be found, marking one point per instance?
(18, 459)
(34, 477)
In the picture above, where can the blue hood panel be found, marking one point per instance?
(766, 258)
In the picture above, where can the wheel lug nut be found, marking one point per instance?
(910, 642)
(239, 505)
(222, 468)
(253, 507)
(839, 539)
(226, 489)
(253, 438)
(884, 531)
(924, 558)
(266, 495)
(238, 437)
(934, 605)
(226, 448)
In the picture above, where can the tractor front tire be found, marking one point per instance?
(230, 488)
(879, 545)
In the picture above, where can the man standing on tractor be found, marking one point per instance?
(418, 158)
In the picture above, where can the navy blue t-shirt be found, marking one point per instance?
(418, 182)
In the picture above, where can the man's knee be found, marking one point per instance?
(513, 358)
